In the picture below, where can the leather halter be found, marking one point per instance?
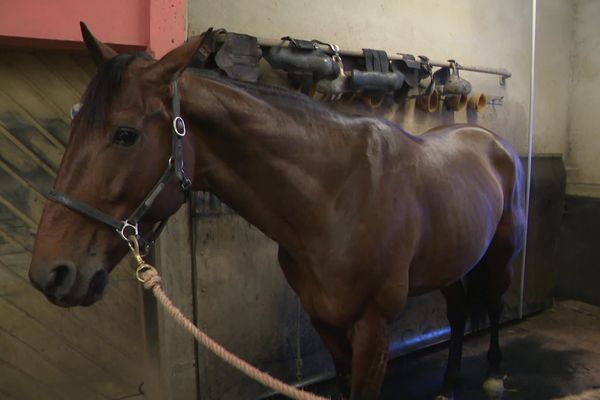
(129, 226)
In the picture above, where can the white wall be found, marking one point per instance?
(553, 57)
(584, 133)
(568, 89)
(485, 32)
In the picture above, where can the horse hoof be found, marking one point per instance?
(494, 388)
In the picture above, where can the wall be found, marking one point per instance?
(567, 83)
(553, 58)
(489, 33)
(153, 25)
(583, 143)
(577, 251)
(47, 352)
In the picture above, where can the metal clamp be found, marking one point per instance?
(124, 225)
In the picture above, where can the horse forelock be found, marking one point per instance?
(103, 88)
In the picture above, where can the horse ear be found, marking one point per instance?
(172, 64)
(99, 51)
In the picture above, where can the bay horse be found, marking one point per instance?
(365, 214)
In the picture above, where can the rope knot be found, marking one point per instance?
(148, 275)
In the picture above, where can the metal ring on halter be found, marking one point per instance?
(179, 126)
(126, 224)
(172, 161)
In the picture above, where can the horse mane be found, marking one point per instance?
(272, 94)
(281, 96)
(103, 88)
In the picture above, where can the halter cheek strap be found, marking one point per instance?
(129, 226)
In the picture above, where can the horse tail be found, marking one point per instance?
(516, 204)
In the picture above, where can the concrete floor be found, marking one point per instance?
(549, 355)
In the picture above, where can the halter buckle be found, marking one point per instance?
(186, 183)
(179, 126)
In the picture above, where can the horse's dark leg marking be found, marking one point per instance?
(370, 340)
(492, 277)
(338, 345)
(498, 276)
(456, 311)
(494, 355)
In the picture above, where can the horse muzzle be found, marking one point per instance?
(64, 286)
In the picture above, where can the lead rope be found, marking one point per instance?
(148, 275)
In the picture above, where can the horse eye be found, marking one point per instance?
(125, 137)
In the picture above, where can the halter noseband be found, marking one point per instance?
(129, 226)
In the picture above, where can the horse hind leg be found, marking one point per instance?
(489, 280)
(456, 312)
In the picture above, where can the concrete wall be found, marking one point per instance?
(554, 37)
(489, 33)
(567, 87)
(583, 141)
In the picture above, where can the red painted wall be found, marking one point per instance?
(154, 25)
(167, 25)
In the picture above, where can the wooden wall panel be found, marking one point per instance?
(54, 349)
(176, 347)
(13, 228)
(18, 385)
(47, 352)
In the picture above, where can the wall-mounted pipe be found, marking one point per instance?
(502, 72)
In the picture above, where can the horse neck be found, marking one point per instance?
(278, 167)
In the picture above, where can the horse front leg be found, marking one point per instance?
(338, 345)
(370, 338)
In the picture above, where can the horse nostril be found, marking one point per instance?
(60, 280)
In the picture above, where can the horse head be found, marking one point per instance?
(119, 147)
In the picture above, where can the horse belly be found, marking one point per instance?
(454, 245)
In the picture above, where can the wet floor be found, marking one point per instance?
(546, 356)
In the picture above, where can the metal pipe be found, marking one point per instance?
(502, 72)
(529, 155)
